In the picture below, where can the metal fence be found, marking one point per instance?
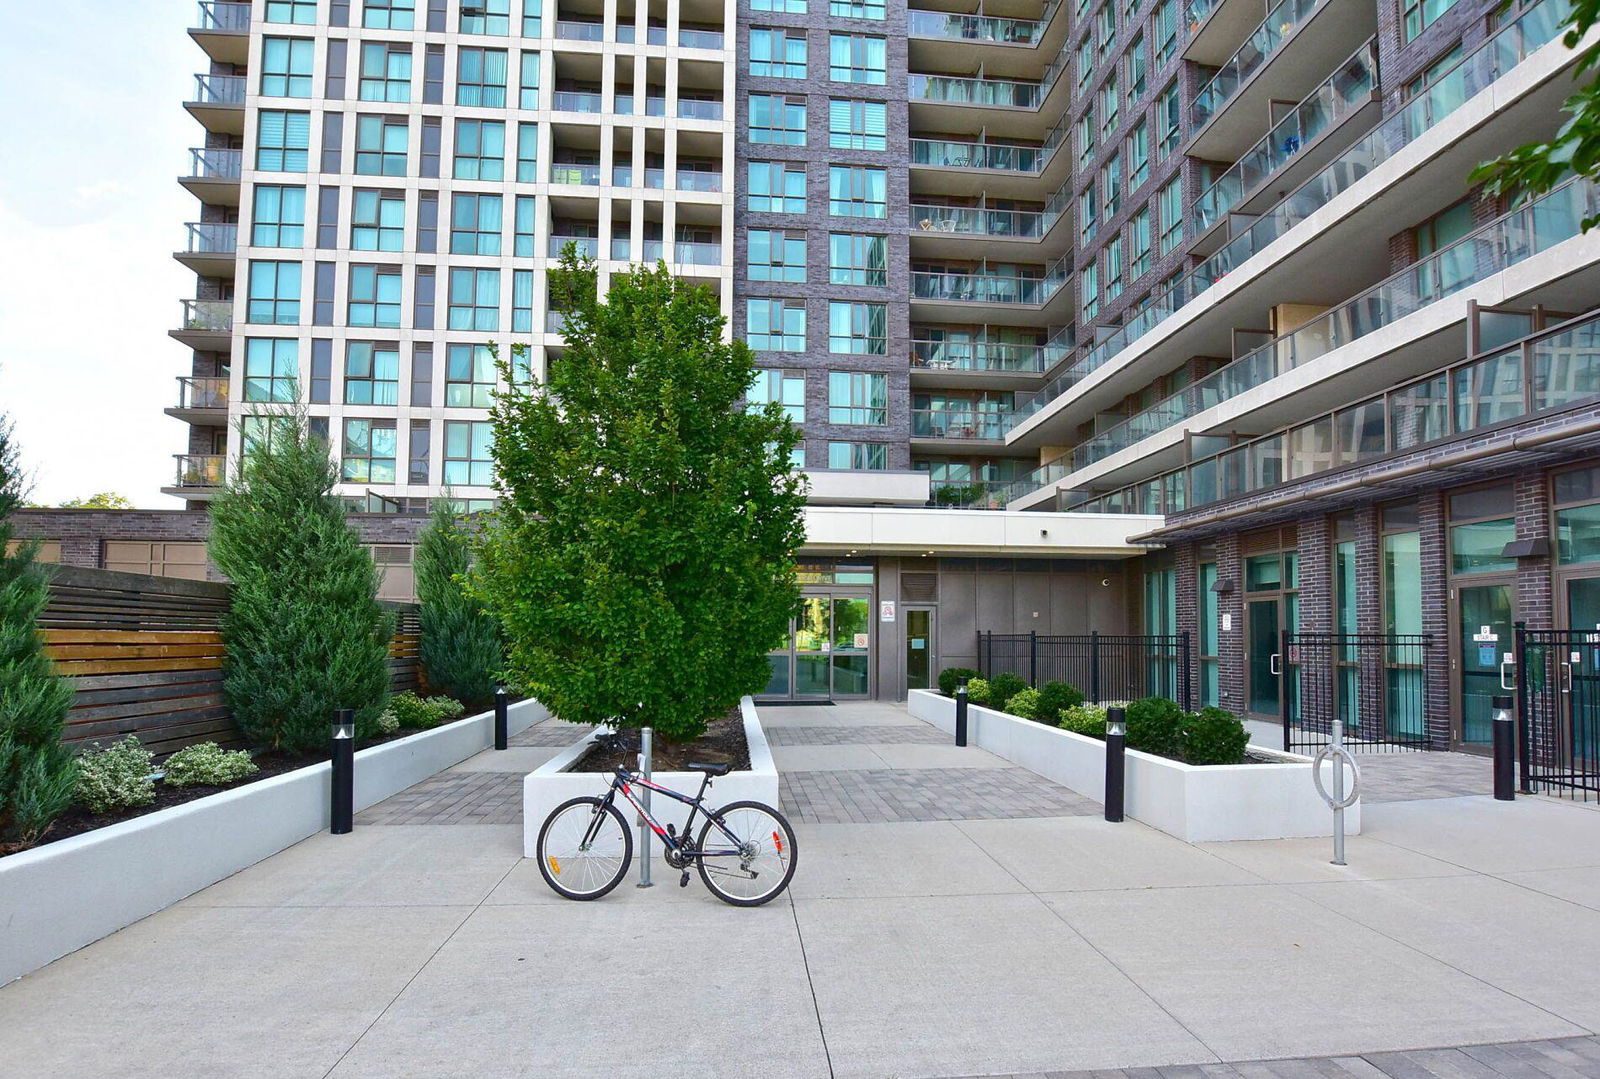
(1558, 711)
(1375, 684)
(1103, 666)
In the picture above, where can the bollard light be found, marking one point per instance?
(961, 711)
(1504, 727)
(1116, 762)
(1116, 723)
(501, 721)
(341, 810)
(344, 724)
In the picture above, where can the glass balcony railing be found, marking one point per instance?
(218, 90)
(946, 355)
(957, 424)
(621, 249)
(208, 164)
(578, 30)
(977, 155)
(699, 180)
(212, 238)
(976, 221)
(955, 90)
(1499, 245)
(555, 321)
(1535, 27)
(693, 253)
(1250, 57)
(222, 16)
(1197, 12)
(978, 286)
(199, 470)
(690, 108)
(578, 175)
(1346, 90)
(588, 246)
(700, 39)
(939, 24)
(575, 101)
(203, 392)
(208, 316)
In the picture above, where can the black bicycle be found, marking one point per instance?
(745, 851)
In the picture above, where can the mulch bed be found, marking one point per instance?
(723, 742)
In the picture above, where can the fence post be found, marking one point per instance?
(1283, 687)
(1524, 732)
(341, 811)
(1033, 657)
(1186, 679)
(1094, 666)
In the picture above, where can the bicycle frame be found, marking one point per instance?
(624, 780)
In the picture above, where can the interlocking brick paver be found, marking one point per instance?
(879, 795)
(453, 798)
(550, 733)
(855, 736)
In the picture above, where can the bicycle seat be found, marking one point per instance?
(711, 769)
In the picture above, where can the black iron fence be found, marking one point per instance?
(1103, 666)
(1558, 710)
(1376, 685)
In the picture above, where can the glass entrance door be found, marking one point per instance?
(1265, 638)
(919, 648)
(1484, 614)
(829, 651)
(813, 640)
(852, 645)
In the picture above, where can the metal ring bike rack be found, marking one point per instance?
(1340, 756)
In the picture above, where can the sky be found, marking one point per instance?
(93, 141)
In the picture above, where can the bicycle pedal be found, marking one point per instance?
(683, 881)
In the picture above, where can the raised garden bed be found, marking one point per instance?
(723, 743)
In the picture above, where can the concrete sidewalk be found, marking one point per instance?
(938, 936)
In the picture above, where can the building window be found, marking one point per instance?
(527, 153)
(858, 329)
(1165, 27)
(1139, 244)
(1418, 15)
(1169, 210)
(858, 398)
(1113, 261)
(274, 294)
(381, 145)
(858, 456)
(386, 14)
(775, 325)
(854, 259)
(1109, 106)
(279, 218)
(1208, 619)
(778, 119)
(1085, 60)
(786, 7)
(490, 17)
(481, 78)
(1169, 121)
(1138, 155)
(857, 125)
(371, 374)
(375, 296)
(858, 58)
(521, 302)
(776, 187)
(528, 90)
(777, 54)
(286, 66)
(1088, 211)
(467, 459)
(385, 72)
(857, 191)
(855, 9)
(474, 299)
(480, 150)
(526, 212)
(282, 140)
(1111, 187)
(271, 367)
(300, 12)
(775, 255)
(1086, 143)
(469, 377)
(263, 434)
(1138, 69)
(1089, 290)
(1105, 26)
(475, 225)
(1432, 73)
(786, 388)
(377, 221)
(369, 451)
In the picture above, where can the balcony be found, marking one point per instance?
(1216, 27)
(218, 103)
(202, 400)
(1287, 55)
(575, 175)
(207, 324)
(956, 425)
(984, 93)
(199, 470)
(684, 253)
(699, 180)
(690, 38)
(222, 29)
(214, 176)
(576, 30)
(1020, 293)
(976, 221)
(584, 101)
(948, 26)
(999, 357)
(211, 248)
(946, 154)
(588, 246)
(690, 108)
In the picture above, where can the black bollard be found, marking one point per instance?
(500, 736)
(1116, 762)
(342, 811)
(1505, 750)
(961, 712)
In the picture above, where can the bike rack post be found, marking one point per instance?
(1505, 750)
(961, 712)
(646, 752)
(1338, 801)
(1116, 762)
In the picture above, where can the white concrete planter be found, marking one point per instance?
(554, 783)
(59, 897)
(1195, 803)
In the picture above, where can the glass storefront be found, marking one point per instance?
(830, 647)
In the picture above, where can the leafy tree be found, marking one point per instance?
(105, 500)
(460, 647)
(1536, 167)
(641, 560)
(304, 634)
(37, 773)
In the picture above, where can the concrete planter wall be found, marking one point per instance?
(59, 897)
(555, 782)
(1195, 803)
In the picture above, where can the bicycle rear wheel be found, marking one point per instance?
(584, 848)
(756, 864)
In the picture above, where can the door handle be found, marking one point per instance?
(1504, 683)
(1273, 665)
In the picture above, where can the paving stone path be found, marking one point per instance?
(453, 798)
(547, 734)
(922, 734)
(876, 796)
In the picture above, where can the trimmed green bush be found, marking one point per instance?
(950, 676)
(1214, 736)
(1086, 719)
(421, 713)
(978, 691)
(1024, 704)
(460, 646)
(1057, 697)
(207, 764)
(1004, 686)
(116, 776)
(1155, 725)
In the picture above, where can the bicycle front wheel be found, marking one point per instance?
(746, 853)
(584, 849)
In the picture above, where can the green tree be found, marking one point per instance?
(460, 647)
(105, 500)
(304, 634)
(37, 773)
(1536, 167)
(641, 560)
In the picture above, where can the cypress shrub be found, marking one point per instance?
(460, 647)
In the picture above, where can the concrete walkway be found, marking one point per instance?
(938, 935)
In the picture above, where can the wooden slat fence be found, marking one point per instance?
(144, 655)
